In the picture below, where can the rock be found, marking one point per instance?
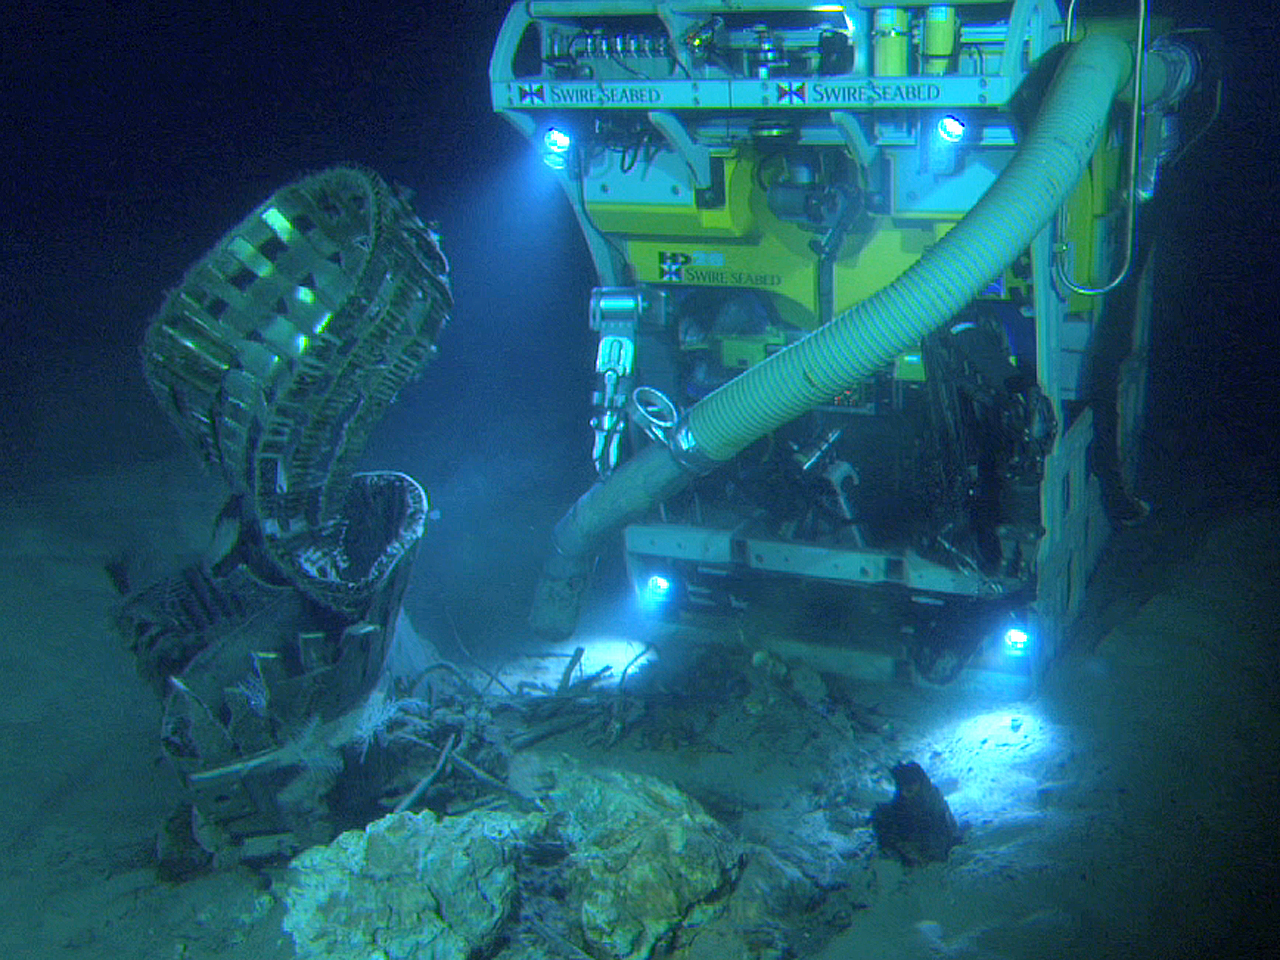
(635, 860)
(647, 859)
(916, 826)
(769, 663)
(407, 888)
(808, 683)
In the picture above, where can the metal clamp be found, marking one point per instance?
(653, 411)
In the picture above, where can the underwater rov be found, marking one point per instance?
(873, 309)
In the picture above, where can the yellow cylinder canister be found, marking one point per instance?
(939, 40)
(892, 42)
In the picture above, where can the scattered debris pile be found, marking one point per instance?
(715, 804)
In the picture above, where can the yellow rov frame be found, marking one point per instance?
(814, 158)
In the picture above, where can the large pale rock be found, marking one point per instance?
(647, 859)
(617, 863)
(407, 888)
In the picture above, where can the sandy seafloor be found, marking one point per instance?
(1128, 809)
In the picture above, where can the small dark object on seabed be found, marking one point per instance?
(916, 826)
(117, 569)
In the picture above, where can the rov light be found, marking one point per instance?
(556, 141)
(942, 142)
(657, 588)
(951, 129)
(555, 148)
(1017, 641)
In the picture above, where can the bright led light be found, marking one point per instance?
(554, 160)
(657, 588)
(1016, 641)
(557, 141)
(951, 129)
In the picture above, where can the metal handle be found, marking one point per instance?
(1135, 129)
